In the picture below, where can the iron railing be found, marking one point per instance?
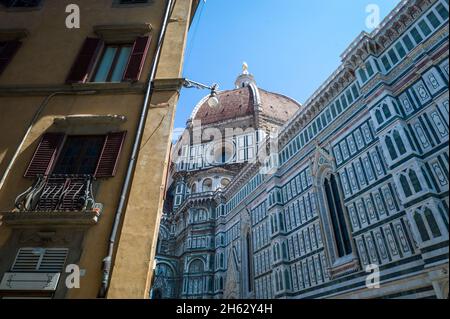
(58, 193)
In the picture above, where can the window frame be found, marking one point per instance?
(119, 47)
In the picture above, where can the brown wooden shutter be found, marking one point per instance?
(107, 164)
(137, 59)
(85, 60)
(45, 155)
(7, 53)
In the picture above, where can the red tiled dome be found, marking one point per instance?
(240, 103)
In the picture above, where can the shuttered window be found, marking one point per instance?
(97, 155)
(114, 63)
(137, 59)
(40, 260)
(45, 155)
(109, 158)
(7, 51)
(85, 61)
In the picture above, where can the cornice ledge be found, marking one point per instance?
(17, 219)
(13, 34)
(89, 119)
(174, 84)
(122, 32)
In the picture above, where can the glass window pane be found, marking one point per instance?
(362, 74)
(442, 11)
(400, 50)
(121, 64)
(338, 106)
(344, 101)
(386, 63)
(355, 91)
(408, 43)
(416, 35)
(433, 20)
(393, 56)
(105, 65)
(424, 27)
(369, 68)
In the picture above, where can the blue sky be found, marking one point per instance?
(291, 46)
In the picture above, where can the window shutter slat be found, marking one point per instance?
(45, 154)
(85, 60)
(137, 59)
(107, 164)
(7, 53)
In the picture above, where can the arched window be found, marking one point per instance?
(221, 260)
(280, 219)
(196, 266)
(274, 253)
(249, 262)
(194, 188)
(398, 140)
(280, 279)
(207, 185)
(276, 281)
(287, 279)
(341, 235)
(284, 251)
(415, 181)
(221, 283)
(224, 182)
(421, 227)
(390, 147)
(432, 223)
(405, 186)
(278, 251)
(379, 117)
(386, 111)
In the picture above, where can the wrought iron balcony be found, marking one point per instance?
(56, 199)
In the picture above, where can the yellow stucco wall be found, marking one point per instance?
(40, 68)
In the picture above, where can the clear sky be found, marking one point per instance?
(291, 46)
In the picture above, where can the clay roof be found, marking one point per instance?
(240, 103)
(278, 106)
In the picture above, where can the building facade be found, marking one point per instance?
(357, 184)
(85, 111)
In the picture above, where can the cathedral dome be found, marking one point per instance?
(245, 100)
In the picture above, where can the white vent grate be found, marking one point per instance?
(40, 260)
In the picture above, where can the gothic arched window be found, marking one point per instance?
(386, 111)
(398, 140)
(249, 262)
(284, 250)
(415, 181)
(379, 117)
(341, 235)
(421, 227)
(405, 186)
(287, 279)
(390, 147)
(432, 223)
(207, 185)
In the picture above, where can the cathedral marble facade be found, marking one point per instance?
(359, 182)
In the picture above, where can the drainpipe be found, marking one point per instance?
(107, 261)
(30, 127)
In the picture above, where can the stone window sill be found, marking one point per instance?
(86, 218)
